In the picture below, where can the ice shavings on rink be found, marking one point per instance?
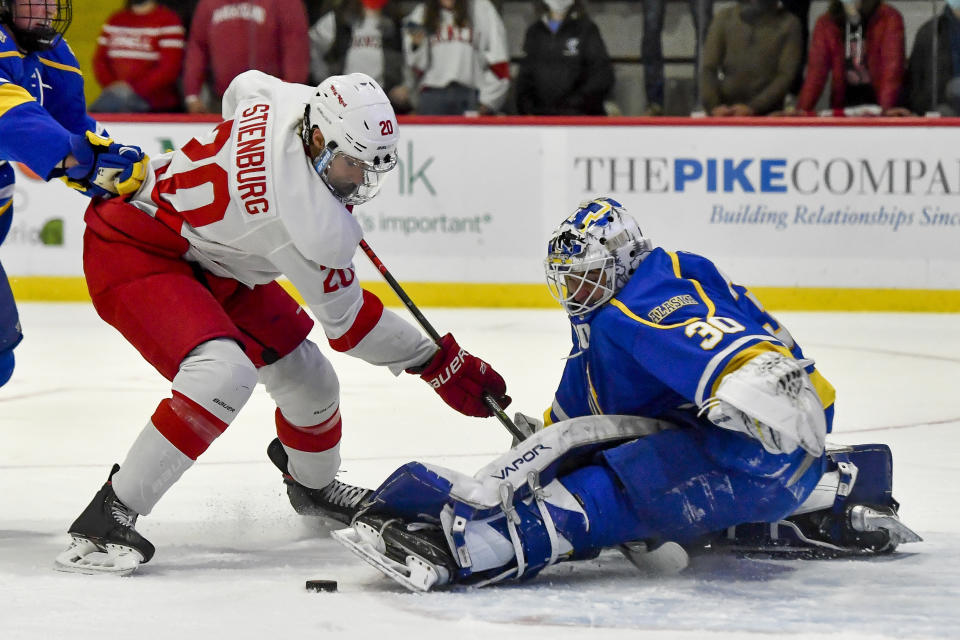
(232, 557)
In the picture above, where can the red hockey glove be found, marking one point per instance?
(461, 379)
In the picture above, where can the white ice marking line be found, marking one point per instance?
(930, 423)
(885, 352)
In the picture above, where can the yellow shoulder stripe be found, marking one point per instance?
(4, 208)
(711, 308)
(828, 395)
(60, 65)
(10, 54)
(12, 95)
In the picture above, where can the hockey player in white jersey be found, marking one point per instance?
(186, 270)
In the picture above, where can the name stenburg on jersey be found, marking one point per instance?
(250, 179)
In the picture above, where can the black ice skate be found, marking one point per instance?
(104, 538)
(860, 529)
(415, 555)
(338, 500)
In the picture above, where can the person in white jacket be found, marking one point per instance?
(186, 270)
(458, 52)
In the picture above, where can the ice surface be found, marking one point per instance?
(232, 557)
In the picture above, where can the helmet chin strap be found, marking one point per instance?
(322, 160)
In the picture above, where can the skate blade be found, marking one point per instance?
(365, 543)
(864, 518)
(89, 558)
(666, 560)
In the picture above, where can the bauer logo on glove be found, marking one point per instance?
(461, 379)
(104, 168)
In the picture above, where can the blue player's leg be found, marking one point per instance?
(10, 335)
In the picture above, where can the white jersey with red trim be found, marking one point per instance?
(475, 55)
(248, 200)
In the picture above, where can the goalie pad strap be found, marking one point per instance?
(543, 452)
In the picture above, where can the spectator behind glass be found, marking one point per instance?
(458, 51)
(859, 43)
(361, 36)
(920, 69)
(750, 59)
(566, 69)
(229, 37)
(138, 60)
(652, 47)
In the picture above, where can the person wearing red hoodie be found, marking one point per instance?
(138, 59)
(860, 45)
(228, 37)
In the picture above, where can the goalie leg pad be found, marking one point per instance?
(688, 483)
(852, 510)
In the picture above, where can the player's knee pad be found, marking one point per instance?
(217, 376)
(304, 386)
(7, 363)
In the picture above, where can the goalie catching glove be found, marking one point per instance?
(104, 168)
(771, 399)
(461, 379)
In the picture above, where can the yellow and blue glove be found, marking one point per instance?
(104, 168)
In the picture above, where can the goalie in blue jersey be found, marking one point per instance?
(685, 412)
(44, 125)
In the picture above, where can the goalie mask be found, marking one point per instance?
(359, 130)
(38, 25)
(592, 255)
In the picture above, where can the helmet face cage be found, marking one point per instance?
(348, 191)
(592, 255)
(46, 25)
(582, 287)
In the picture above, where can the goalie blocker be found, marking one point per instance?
(429, 526)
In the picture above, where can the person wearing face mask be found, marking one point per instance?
(457, 50)
(566, 69)
(361, 36)
(138, 59)
(936, 56)
(860, 45)
(750, 58)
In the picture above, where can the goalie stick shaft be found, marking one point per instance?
(428, 328)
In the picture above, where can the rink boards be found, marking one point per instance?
(861, 214)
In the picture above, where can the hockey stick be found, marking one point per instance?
(426, 326)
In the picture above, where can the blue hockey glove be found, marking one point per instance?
(104, 168)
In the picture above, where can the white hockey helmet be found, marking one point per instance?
(592, 255)
(357, 122)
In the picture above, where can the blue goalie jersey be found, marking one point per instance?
(666, 340)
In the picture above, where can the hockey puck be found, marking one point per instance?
(321, 585)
